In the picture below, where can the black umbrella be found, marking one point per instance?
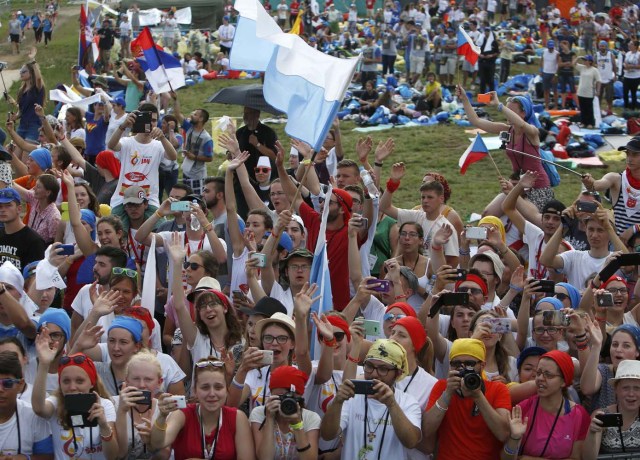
(245, 95)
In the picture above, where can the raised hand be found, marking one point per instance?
(528, 179)
(398, 170)
(235, 163)
(304, 299)
(89, 338)
(384, 149)
(517, 277)
(325, 328)
(106, 303)
(441, 237)
(517, 425)
(229, 142)
(176, 248)
(363, 148)
(46, 353)
(303, 148)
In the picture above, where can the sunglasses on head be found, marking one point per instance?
(393, 317)
(560, 296)
(76, 359)
(8, 384)
(191, 265)
(203, 364)
(125, 271)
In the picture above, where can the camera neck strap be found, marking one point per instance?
(214, 445)
(619, 431)
(533, 421)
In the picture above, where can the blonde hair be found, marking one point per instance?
(143, 356)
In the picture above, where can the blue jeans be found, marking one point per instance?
(29, 131)
(167, 180)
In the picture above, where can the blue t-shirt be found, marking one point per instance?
(96, 134)
(35, 21)
(26, 104)
(47, 26)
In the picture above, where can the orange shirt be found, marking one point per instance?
(461, 435)
(27, 182)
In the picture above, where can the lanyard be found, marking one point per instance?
(188, 246)
(366, 426)
(413, 376)
(266, 384)
(19, 434)
(540, 272)
(535, 412)
(135, 247)
(115, 382)
(133, 435)
(205, 452)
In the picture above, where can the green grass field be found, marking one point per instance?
(435, 148)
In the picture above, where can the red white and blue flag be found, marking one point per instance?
(163, 71)
(476, 152)
(466, 47)
(86, 43)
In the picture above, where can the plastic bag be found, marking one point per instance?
(219, 126)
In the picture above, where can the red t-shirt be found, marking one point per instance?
(188, 444)
(337, 253)
(294, 8)
(370, 4)
(461, 435)
(72, 285)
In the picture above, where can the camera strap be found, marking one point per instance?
(214, 445)
(533, 421)
(619, 432)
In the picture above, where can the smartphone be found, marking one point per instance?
(449, 299)
(66, 249)
(9, 114)
(484, 98)
(379, 285)
(261, 258)
(147, 398)
(609, 270)
(363, 387)
(547, 286)
(78, 406)
(239, 295)
(629, 259)
(180, 400)
(605, 299)
(554, 318)
(372, 327)
(498, 325)
(180, 206)
(505, 136)
(267, 357)
(476, 233)
(610, 420)
(142, 123)
(587, 206)
(461, 274)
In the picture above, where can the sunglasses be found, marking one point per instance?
(125, 271)
(8, 384)
(204, 364)
(262, 170)
(79, 359)
(456, 364)
(471, 290)
(560, 296)
(191, 265)
(393, 317)
(339, 336)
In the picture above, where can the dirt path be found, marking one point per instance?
(14, 61)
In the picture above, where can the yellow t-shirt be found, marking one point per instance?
(430, 87)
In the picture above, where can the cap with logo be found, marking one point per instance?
(134, 195)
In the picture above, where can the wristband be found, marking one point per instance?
(161, 428)
(157, 213)
(296, 426)
(593, 286)
(508, 451)
(401, 296)
(330, 343)
(238, 385)
(121, 128)
(515, 288)
(304, 449)
(392, 185)
(352, 359)
(436, 247)
(600, 320)
(463, 252)
(440, 408)
(379, 165)
(107, 438)
(208, 228)
(500, 107)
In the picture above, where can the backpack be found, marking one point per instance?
(550, 169)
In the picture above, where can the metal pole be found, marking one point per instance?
(546, 161)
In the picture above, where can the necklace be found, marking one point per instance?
(414, 265)
(214, 445)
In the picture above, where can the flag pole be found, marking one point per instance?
(302, 179)
(494, 164)
(547, 161)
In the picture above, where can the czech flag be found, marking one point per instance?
(163, 71)
(476, 152)
(466, 47)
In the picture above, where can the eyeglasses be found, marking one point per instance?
(270, 338)
(208, 305)
(276, 194)
(486, 275)
(56, 336)
(339, 336)
(382, 371)
(547, 375)
(393, 317)
(560, 296)
(409, 234)
(296, 267)
(125, 271)
(548, 330)
(470, 290)
(203, 364)
(8, 384)
(262, 170)
(356, 201)
(22, 71)
(191, 265)
(457, 364)
(79, 359)
(615, 291)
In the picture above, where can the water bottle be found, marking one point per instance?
(367, 180)
(195, 223)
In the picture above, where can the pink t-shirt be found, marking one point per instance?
(571, 427)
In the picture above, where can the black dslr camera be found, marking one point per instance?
(289, 402)
(472, 380)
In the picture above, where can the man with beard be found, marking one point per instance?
(537, 228)
(259, 140)
(107, 258)
(198, 147)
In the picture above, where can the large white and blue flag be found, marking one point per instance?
(299, 80)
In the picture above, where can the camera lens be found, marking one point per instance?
(288, 406)
(472, 381)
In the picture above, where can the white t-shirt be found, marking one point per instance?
(534, 238)
(136, 448)
(283, 295)
(353, 427)
(606, 65)
(589, 77)
(226, 34)
(634, 59)
(258, 382)
(63, 445)
(550, 61)
(114, 123)
(430, 227)
(32, 430)
(310, 420)
(420, 388)
(139, 165)
(238, 275)
(579, 265)
(171, 372)
(282, 11)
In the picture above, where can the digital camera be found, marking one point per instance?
(289, 402)
(472, 380)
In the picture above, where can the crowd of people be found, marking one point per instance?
(151, 309)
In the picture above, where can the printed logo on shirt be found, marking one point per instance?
(136, 159)
(326, 396)
(90, 126)
(135, 177)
